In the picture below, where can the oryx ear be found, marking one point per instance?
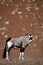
(26, 34)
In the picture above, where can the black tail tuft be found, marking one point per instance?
(4, 53)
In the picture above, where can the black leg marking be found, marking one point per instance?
(22, 50)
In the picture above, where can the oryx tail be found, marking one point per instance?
(4, 52)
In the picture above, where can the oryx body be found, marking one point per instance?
(20, 42)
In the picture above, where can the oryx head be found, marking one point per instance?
(30, 36)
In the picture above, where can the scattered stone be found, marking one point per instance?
(6, 36)
(41, 26)
(6, 22)
(20, 3)
(23, 29)
(41, 35)
(3, 2)
(16, 5)
(35, 50)
(33, 14)
(28, 7)
(30, 13)
(35, 23)
(23, 0)
(35, 17)
(33, 0)
(0, 17)
(41, 39)
(13, 12)
(35, 4)
(3, 33)
(19, 12)
(17, 9)
(41, 5)
(39, 16)
(38, 26)
(7, 5)
(36, 37)
(11, 1)
(36, 8)
(2, 28)
(34, 45)
(26, 15)
(31, 25)
(21, 17)
(28, 1)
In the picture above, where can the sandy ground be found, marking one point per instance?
(22, 62)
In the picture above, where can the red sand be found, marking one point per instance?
(19, 23)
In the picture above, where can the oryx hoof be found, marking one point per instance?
(22, 58)
(8, 59)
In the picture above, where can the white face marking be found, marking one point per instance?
(30, 36)
(30, 41)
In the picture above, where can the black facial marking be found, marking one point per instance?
(30, 38)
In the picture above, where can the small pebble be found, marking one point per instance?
(28, 1)
(6, 36)
(23, 0)
(36, 8)
(6, 22)
(13, 12)
(42, 26)
(33, 0)
(23, 29)
(2, 33)
(26, 16)
(0, 17)
(19, 12)
(28, 9)
(2, 28)
(21, 17)
(31, 25)
(34, 45)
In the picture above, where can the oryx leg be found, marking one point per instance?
(8, 47)
(21, 53)
(7, 54)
